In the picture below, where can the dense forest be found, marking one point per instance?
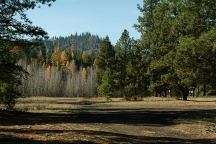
(82, 42)
(175, 56)
(63, 67)
(60, 73)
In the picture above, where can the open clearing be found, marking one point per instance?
(42, 120)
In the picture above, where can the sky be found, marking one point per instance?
(100, 17)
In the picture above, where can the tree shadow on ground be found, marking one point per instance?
(9, 139)
(144, 117)
(131, 139)
(110, 138)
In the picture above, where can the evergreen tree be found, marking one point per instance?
(104, 89)
(81, 42)
(137, 78)
(15, 30)
(159, 38)
(195, 60)
(122, 54)
(165, 27)
(105, 66)
(10, 75)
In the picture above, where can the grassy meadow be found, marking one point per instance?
(116, 121)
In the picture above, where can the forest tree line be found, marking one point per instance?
(63, 67)
(175, 55)
(67, 73)
(81, 42)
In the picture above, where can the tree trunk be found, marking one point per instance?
(193, 91)
(204, 90)
(185, 93)
(156, 94)
(165, 90)
(198, 91)
(184, 97)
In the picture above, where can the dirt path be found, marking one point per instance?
(115, 125)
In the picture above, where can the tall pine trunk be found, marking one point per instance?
(204, 90)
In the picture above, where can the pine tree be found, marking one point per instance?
(165, 27)
(16, 30)
(10, 75)
(158, 38)
(104, 89)
(122, 52)
(195, 60)
(105, 64)
(137, 77)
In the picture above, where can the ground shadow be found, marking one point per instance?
(118, 116)
(111, 138)
(145, 117)
(9, 139)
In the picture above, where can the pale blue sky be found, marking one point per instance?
(101, 17)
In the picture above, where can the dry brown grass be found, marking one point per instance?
(96, 120)
(58, 104)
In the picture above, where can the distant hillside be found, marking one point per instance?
(80, 42)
